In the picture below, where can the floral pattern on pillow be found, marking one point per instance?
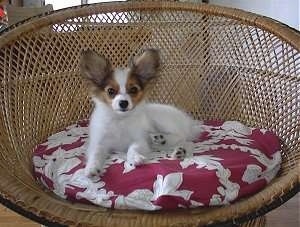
(230, 161)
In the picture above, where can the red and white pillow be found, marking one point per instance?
(230, 161)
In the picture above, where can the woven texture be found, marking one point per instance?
(217, 63)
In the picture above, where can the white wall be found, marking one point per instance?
(286, 11)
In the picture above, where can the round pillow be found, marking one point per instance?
(230, 161)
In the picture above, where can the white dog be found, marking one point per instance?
(122, 120)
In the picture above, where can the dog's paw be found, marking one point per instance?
(93, 170)
(158, 139)
(135, 158)
(178, 153)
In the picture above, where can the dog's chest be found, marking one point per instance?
(126, 131)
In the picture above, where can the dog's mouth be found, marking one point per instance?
(123, 110)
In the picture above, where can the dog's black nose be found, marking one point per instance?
(123, 104)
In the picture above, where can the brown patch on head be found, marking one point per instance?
(135, 89)
(108, 93)
(98, 73)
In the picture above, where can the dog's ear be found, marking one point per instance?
(94, 67)
(146, 65)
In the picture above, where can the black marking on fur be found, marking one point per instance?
(159, 139)
(179, 153)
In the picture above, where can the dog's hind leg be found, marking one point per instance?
(183, 150)
(177, 143)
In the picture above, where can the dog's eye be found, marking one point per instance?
(111, 92)
(133, 90)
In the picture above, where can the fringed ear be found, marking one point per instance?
(94, 67)
(146, 65)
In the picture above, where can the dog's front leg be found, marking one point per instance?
(137, 153)
(96, 157)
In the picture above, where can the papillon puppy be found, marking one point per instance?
(122, 120)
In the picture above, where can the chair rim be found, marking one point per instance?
(283, 31)
(289, 35)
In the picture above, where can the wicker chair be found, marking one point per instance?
(218, 63)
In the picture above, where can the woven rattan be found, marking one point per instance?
(217, 63)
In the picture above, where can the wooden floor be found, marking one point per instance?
(287, 215)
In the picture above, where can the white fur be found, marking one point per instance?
(121, 76)
(130, 131)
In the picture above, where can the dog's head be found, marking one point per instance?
(120, 88)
